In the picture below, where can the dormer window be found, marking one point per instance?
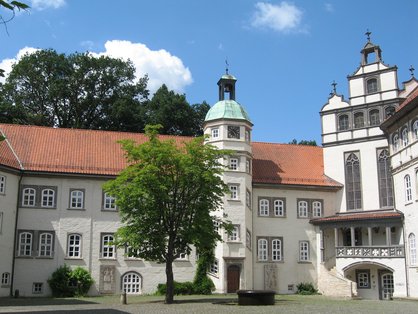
(371, 86)
(234, 131)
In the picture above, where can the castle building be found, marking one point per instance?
(341, 216)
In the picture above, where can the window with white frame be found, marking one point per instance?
(385, 178)
(262, 250)
(45, 244)
(5, 279)
(107, 246)
(304, 251)
(25, 243)
(234, 236)
(2, 184)
(276, 250)
(415, 129)
(109, 202)
(74, 245)
(215, 133)
(37, 288)
(270, 249)
(316, 209)
(233, 163)
(412, 249)
(131, 283)
(303, 209)
(404, 136)
(363, 278)
(264, 205)
(214, 267)
(353, 181)
(408, 188)
(48, 198)
(395, 142)
(131, 253)
(28, 197)
(216, 225)
(77, 199)
(233, 189)
(278, 208)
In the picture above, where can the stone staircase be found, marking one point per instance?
(331, 283)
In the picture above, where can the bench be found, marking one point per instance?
(256, 297)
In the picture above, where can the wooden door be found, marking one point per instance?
(233, 273)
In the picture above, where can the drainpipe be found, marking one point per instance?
(14, 237)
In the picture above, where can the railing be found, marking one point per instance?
(370, 251)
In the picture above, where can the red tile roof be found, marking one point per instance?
(366, 215)
(289, 164)
(412, 96)
(44, 149)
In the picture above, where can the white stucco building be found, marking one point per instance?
(340, 216)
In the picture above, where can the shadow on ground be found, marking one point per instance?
(40, 301)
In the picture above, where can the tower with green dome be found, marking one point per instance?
(228, 126)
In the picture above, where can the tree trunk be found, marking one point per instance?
(169, 294)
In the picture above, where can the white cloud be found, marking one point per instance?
(329, 7)
(47, 4)
(160, 65)
(7, 64)
(283, 17)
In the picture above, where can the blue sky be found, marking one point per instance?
(285, 54)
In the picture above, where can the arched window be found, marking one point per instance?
(25, 244)
(353, 182)
(276, 250)
(74, 245)
(343, 122)
(316, 209)
(262, 249)
(303, 209)
(404, 135)
(45, 244)
(408, 188)
(77, 199)
(372, 85)
(279, 208)
(28, 197)
(415, 129)
(374, 118)
(395, 142)
(131, 283)
(412, 249)
(385, 179)
(48, 198)
(358, 120)
(264, 207)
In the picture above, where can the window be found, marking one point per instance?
(389, 111)
(415, 129)
(48, 198)
(131, 283)
(109, 202)
(108, 249)
(264, 207)
(216, 225)
(76, 199)
(234, 191)
(233, 163)
(248, 239)
(404, 135)
(358, 120)
(408, 188)
(262, 250)
(131, 253)
(248, 166)
(374, 118)
(395, 142)
(412, 249)
(45, 244)
(303, 209)
(215, 133)
(304, 251)
(363, 278)
(214, 267)
(25, 244)
(37, 287)
(248, 199)
(353, 181)
(234, 236)
(74, 245)
(5, 279)
(234, 131)
(371, 85)
(385, 179)
(343, 122)
(2, 184)
(28, 198)
(316, 209)
(247, 136)
(278, 208)
(276, 250)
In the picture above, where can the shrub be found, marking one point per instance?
(306, 288)
(180, 288)
(65, 282)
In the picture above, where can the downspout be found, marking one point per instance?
(14, 236)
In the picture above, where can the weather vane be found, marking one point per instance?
(226, 65)
(411, 69)
(334, 87)
(368, 33)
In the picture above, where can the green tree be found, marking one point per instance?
(174, 113)
(75, 91)
(165, 198)
(11, 7)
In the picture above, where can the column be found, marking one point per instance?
(336, 237)
(369, 233)
(353, 236)
(388, 236)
